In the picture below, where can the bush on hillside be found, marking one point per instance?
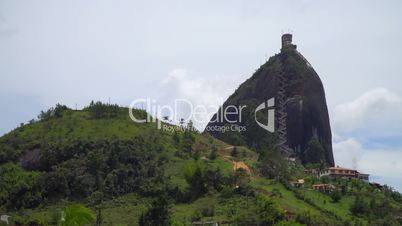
(99, 110)
(158, 214)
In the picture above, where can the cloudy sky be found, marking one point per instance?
(72, 52)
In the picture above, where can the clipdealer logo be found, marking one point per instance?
(270, 105)
(231, 115)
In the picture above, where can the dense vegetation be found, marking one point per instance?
(134, 174)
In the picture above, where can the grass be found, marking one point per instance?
(224, 208)
(184, 212)
(124, 210)
(287, 199)
(175, 172)
(79, 125)
(323, 201)
(226, 167)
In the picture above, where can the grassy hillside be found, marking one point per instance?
(121, 170)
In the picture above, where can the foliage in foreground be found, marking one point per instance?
(76, 215)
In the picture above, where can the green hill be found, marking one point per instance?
(128, 173)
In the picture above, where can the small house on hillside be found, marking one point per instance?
(290, 216)
(376, 185)
(312, 172)
(324, 187)
(364, 177)
(297, 184)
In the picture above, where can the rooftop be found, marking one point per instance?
(340, 168)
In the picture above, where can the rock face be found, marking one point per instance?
(301, 113)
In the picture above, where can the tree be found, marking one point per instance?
(214, 179)
(44, 115)
(269, 212)
(99, 110)
(314, 153)
(53, 112)
(194, 174)
(190, 126)
(176, 138)
(95, 164)
(188, 141)
(158, 214)
(234, 152)
(55, 183)
(335, 196)
(359, 207)
(96, 201)
(59, 109)
(213, 155)
(273, 165)
(99, 217)
(19, 188)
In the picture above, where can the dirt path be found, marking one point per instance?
(241, 165)
(237, 164)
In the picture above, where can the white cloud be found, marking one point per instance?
(387, 163)
(198, 91)
(348, 153)
(377, 109)
(367, 133)
(180, 84)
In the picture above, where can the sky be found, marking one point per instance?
(72, 52)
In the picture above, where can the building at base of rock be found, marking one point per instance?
(345, 173)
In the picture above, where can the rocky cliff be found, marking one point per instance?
(300, 109)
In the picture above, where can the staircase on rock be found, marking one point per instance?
(281, 114)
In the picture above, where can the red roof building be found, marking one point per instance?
(340, 172)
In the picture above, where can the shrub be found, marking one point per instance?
(208, 210)
(359, 207)
(335, 196)
(288, 223)
(76, 214)
(158, 214)
(268, 211)
(99, 110)
(19, 188)
(234, 152)
(226, 192)
(213, 155)
(194, 174)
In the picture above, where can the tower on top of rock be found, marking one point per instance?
(287, 41)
